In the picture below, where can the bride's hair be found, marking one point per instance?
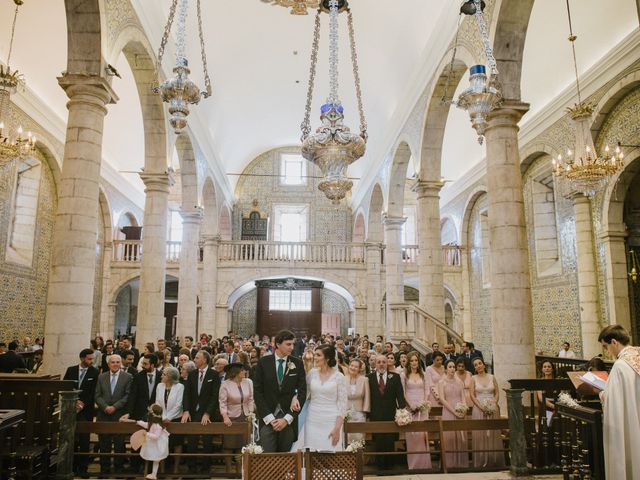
(329, 353)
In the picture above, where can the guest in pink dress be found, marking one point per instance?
(416, 393)
(451, 392)
(465, 377)
(484, 392)
(435, 372)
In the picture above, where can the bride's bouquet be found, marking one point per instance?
(489, 407)
(403, 417)
(461, 409)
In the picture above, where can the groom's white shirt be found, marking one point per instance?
(271, 417)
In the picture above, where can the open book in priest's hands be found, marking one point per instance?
(596, 379)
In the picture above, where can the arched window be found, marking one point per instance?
(24, 212)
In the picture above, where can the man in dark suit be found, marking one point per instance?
(300, 346)
(127, 363)
(112, 395)
(126, 345)
(277, 379)
(200, 401)
(86, 377)
(386, 396)
(449, 352)
(435, 347)
(468, 354)
(11, 361)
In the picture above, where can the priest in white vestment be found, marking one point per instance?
(621, 401)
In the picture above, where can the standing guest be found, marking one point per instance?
(621, 405)
(218, 365)
(378, 349)
(278, 378)
(450, 352)
(402, 362)
(236, 403)
(3, 348)
(182, 359)
(201, 401)
(128, 358)
(99, 342)
(485, 395)
(451, 393)
(342, 362)
(148, 348)
(358, 396)
(165, 357)
(170, 395)
(243, 358)
(300, 346)
(466, 378)
(372, 361)
(435, 373)
(97, 354)
(254, 356)
(546, 415)
(86, 376)
(386, 397)
(416, 392)
(11, 361)
(468, 354)
(388, 348)
(566, 352)
(435, 347)
(307, 358)
(107, 352)
(187, 368)
(37, 361)
(391, 362)
(126, 345)
(112, 394)
(162, 350)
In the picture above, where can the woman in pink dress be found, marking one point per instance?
(435, 372)
(451, 392)
(465, 377)
(416, 393)
(485, 395)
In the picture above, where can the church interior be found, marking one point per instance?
(425, 171)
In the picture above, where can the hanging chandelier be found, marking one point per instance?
(333, 147)
(179, 91)
(12, 145)
(586, 171)
(484, 94)
(298, 7)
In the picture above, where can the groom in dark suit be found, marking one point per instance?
(278, 378)
(387, 395)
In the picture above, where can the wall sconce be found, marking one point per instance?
(633, 266)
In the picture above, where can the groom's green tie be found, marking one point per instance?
(280, 370)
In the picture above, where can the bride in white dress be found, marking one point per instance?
(326, 404)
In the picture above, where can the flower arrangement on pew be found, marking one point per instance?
(567, 400)
(403, 417)
(252, 449)
(461, 409)
(355, 446)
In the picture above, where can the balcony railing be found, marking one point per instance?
(309, 252)
(130, 251)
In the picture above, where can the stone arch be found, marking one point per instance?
(469, 204)
(188, 171)
(46, 149)
(105, 210)
(210, 206)
(86, 37)
(611, 98)
(133, 43)
(511, 26)
(375, 232)
(448, 224)
(224, 223)
(398, 179)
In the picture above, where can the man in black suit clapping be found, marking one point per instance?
(278, 378)
(200, 400)
(86, 377)
(387, 395)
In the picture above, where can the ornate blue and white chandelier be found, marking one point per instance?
(333, 147)
(179, 91)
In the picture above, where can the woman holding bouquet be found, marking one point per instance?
(454, 407)
(485, 395)
(416, 392)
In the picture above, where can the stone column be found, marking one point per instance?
(105, 309)
(430, 275)
(209, 295)
(73, 258)
(151, 321)
(587, 277)
(511, 313)
(617, 277)
(466, 294)
(394, 266)
(188, 276)
(374, 289)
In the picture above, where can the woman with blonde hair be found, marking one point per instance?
(358, 395)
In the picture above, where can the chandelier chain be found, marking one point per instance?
(484, 33)
(13, 31)
(165, 35)
(207, 80)
(356, 74)
(445, 94)
(333, 53)
(306, 123)
(572, 39)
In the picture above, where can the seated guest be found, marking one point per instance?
(11, 361)
(358, 396)
(485, 395)
(451, 393)
(86, 376)
(236, 403)
(112, 395)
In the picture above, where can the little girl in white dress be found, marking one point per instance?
(155, 446)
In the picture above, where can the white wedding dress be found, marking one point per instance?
(325, 402)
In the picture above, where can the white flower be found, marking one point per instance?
(252, 449)
(461, 408)
(403, 417)
(355, 446)
(347, 417)
(291, 365)
(566, 400)
(489, 406)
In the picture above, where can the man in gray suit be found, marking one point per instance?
(112, 393)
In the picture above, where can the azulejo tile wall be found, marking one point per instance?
(23, 290)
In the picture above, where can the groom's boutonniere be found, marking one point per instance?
(390, 375)
(291, 365)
